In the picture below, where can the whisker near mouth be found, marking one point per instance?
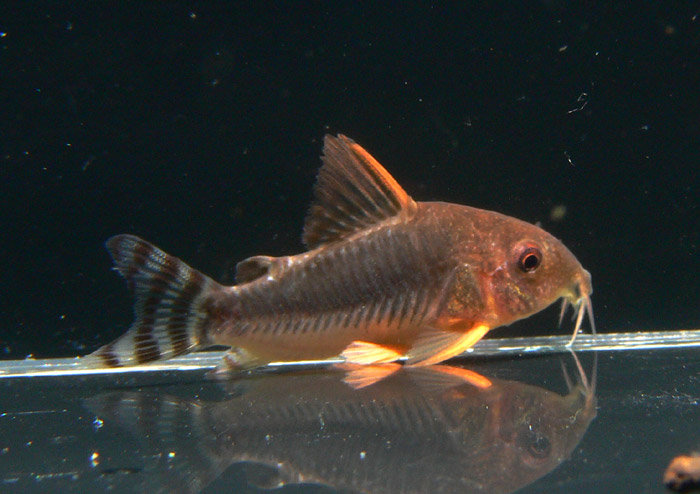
(564, 305)
(583, 307)
(579, 319)
(589, 311)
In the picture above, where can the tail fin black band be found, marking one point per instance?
(169, 312)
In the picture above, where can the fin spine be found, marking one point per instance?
(353, 192)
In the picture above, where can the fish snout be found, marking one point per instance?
(583, 288)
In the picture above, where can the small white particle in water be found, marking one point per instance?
(97, 423)
(363, 454)
(569, 158)
(171, 454)
(88, 162)
(2, 35)
(95, 459)
(193, 16)
(563, 48)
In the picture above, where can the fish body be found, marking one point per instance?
(419, 430)
(385, 277)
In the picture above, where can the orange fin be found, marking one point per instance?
(353, 192)
(434, 346)
(361, 376)
(365, 353)
(446, 376)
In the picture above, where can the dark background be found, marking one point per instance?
(198, 125)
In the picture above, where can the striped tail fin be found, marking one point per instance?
(170, 310)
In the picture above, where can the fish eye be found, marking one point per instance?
(530, 259)
(539, 446)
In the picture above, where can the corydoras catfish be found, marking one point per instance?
(438, 429)
(384, 278)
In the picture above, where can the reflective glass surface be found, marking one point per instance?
(522, 415)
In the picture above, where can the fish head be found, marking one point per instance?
(530, 270)
(538, 429)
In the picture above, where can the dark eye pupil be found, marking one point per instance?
(540, 446)
(530, 260)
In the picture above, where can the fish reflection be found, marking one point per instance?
(415, 430)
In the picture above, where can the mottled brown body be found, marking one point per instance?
(385, 277)
(382, 286)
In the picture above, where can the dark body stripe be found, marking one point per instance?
(370, 288)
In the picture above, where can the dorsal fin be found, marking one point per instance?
(353, 192)
(253, 268)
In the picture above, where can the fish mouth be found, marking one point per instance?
(580, 299)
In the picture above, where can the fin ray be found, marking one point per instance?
(443, 377)
(170, 319)
(362, 376)
(235, 360)
(253, 268)
(353, 191)
(434, 346)
(364, 353)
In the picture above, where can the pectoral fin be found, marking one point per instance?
(434, 346)
(443, 377)
(364, 353)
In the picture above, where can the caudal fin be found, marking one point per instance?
(170, 316)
